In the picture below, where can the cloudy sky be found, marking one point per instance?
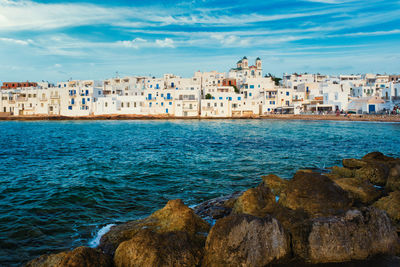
(59, 40)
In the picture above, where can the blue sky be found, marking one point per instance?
(59, 40)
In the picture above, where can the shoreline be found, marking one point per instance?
(370, 118)
(312, 219)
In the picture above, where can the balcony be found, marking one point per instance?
(21, 99)
(54, 96)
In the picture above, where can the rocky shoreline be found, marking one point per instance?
(347, 217)
(377, 118)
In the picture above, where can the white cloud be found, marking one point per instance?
(16, 41)
(328, 1)
(28, 15)
(135, 43)
(167, 42)
(376, 33)
(57, 65)
(231, 40)
(140, 43)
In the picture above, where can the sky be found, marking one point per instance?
(62, 40)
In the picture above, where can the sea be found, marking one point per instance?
(65, 183)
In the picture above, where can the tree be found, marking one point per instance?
(275, 79)
(208, 96)
(236, 89)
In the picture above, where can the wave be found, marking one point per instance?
(96, 240)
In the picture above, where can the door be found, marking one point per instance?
(371, 108)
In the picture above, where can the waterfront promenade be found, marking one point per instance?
(352, 117)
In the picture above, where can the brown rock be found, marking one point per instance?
(393, 181)
(359, 190)
(353, 163)
(275, 183)
(255, 201)
(390, 204)
(377, 156)
(79, 257)
(148, 248)
(245, 240)
(376, 173)
(357, 235)
(316, 194)
(175, 216)
(343, 172)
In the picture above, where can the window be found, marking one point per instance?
(249, 94)
(287, 93)
(222, 104)
(239, 98)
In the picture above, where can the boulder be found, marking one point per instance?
(390, 204)
(354, 163)
(359, 190)
(377, 156)
(148, 248)
(316, 194)
(246, 240)
(175, 216)
(255, 201)
(81, 256)
(356, 235)
(376, 173)
(393, 181)
(275, 183)
(217, 208)
(343, 172)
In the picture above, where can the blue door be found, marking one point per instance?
(149, 97)
(371, 108)
(166, 111)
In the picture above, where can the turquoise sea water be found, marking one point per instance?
(61, 182)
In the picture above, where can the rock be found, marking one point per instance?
(148, 248)
(357, 235)
(390, 204)
(359, 190)
(316, 194)
(81, 256)
(393, 180)
(376, 173)
(377, 156)
(246, 240)
(332, 176)
(275, 183)
(217, 208)
(255, 201)
(343, 172)
(288, 218)
(175, 216)
(354, 163)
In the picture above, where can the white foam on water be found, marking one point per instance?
(96, 240)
